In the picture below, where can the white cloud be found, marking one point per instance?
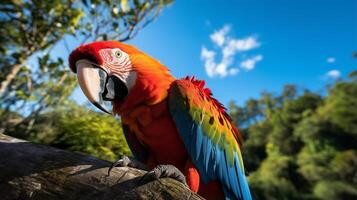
(208, 57)
(331, 60)
(228, 48)
(238, 45)
(333, 73)
(249, 63)
(216, 69)
(219, 37)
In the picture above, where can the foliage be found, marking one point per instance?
(28, 27)
(302, 146)
(118, 20)
(76, 128)
(32, 75)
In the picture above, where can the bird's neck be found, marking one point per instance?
(148, 91)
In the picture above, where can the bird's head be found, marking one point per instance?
(120, 73)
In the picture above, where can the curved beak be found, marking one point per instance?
(92, 81)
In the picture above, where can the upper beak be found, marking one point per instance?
(92, 81)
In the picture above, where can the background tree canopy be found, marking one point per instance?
(298, 144)
(301, 145)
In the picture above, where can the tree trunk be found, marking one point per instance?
(9, 77)
(32, 171)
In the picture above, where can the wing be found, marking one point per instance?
(137, 149)
(209, 136)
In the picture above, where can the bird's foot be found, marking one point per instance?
(126, 161)
(164, 171)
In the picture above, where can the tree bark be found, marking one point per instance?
(33, 171)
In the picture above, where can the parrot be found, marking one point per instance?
(174, 127)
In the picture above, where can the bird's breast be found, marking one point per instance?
(155, 128)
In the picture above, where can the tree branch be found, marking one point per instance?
(9, 77)
(32, 171)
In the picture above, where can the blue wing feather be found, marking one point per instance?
(210, 158)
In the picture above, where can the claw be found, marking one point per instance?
(115, 164)
(125, 161)
(164, 171)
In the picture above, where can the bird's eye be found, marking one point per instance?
(118, 54)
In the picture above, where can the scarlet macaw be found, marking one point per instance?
(173, 126)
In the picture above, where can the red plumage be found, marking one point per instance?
(145, 111)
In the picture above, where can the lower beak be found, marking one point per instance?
(92, 81)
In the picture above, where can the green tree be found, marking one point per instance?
(76, 128)
(31, 75)
(302, 145)
(272, 180)
(328, 159)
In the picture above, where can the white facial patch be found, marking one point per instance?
(118, 63)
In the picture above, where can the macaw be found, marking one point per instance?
(174, 127)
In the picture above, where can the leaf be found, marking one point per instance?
(115, 25)
(105, 37)
(85, 3)
(125, 7)
(354, 54)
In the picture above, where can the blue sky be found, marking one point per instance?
(258, 45)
